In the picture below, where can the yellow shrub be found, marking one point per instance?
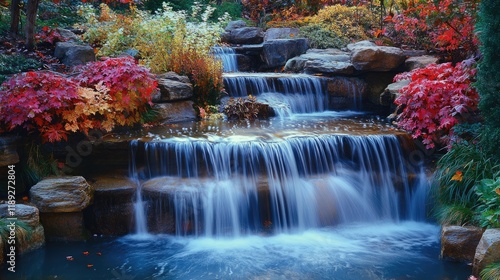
(347, 23)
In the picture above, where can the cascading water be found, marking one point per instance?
(227, 56)
(141, 227)
(286, 93)
(225, 186)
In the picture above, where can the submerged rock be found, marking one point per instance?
(459, 243)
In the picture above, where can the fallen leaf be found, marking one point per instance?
(86, 253)
(457, 177)
(90, 265)
(69, 258)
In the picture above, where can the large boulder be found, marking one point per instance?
(366, 56)
(245, 35)
(459, 243)
(173, 87)
(281, 33)
(61, 194)
(175, 112)
(275, 53)
(420, 62)
(25, 213)
(325, 62)
(487, 251)
(72, 54)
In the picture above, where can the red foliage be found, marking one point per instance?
(445, 25)
(438, 97)
(106, 93)
(49, 35)
(130, 85)
(36, 101)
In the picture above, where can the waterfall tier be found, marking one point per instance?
(235, 185)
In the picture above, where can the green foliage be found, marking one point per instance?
(459, 171)
(463, 167)
(16, 63)
(62, 14)
(491, 272)
(321, 38)
(246, 109)
(453, 214)
(488, 76)
(488, 209)
(23, 231)
(167, 41)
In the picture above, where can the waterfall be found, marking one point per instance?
(228, 58)
(230, 188)
(141, 227)
(286, 93)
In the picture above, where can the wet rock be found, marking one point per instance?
(61, 194)
(8, 151)
(173, 87)
(326, 62)
(346, 92)
(68, 226)
(377, 83)
(175, 112)
(391, 92)
(72, 54)
(112, 212)
(420, 62)
(281, 33)
(25, 213)
(366, 56)
(487, 251)
(275, 53)
(459, 243)
(35, 240)
(29, 215)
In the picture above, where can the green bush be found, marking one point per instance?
(488, 210)
(321, 38)
(488, 76)
(459, 171)
(491, 272)
(12, 64)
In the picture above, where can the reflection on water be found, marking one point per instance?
(406, 250)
